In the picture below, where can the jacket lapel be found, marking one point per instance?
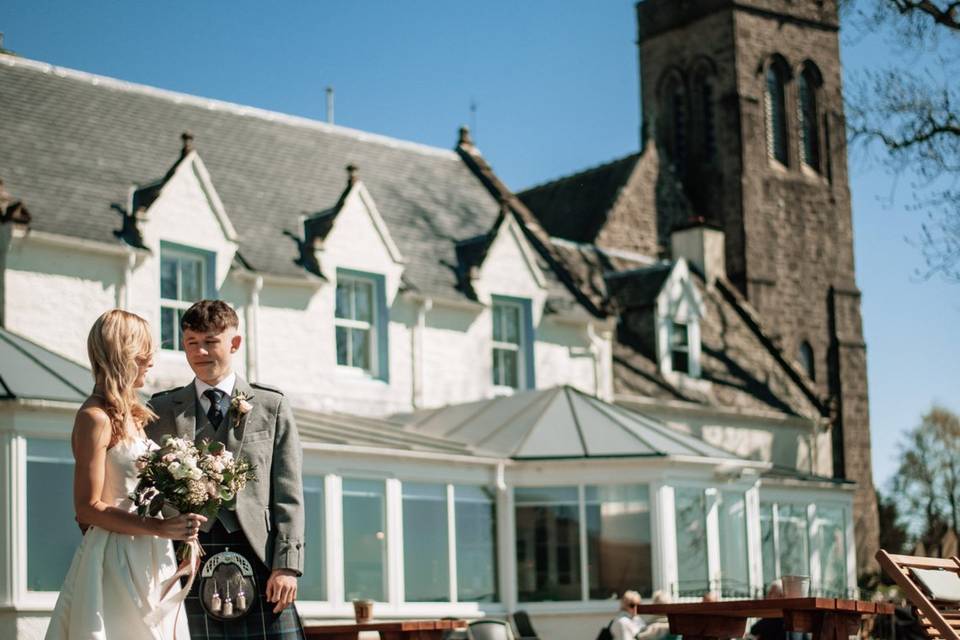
(185, 411)
(236, 422)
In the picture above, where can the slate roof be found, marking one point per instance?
(74, 144)
(29, 371)
(559, 423)
(574, 207)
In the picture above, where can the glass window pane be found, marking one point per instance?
(344, 295)
(511, 324)
(831, 542)
(360, 348)
(548, 545)
(426, 561)
(735, 581)
(343, 346)
(776, 116)
(364, 539)
(312, 585)
(619, 555)
(168, 277)
(476, 522)
(680, 361)
(168, 328)
(678, 336)
(768, 549)
(498, 323)
(52, 532)
(363, 301)
(497, 368)
(509, 378)
(191, 280)
(793, 547)
(691, 510)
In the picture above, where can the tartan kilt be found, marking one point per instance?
(260, 623)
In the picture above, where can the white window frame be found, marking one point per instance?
(370, 327)
(177, 304)
(657, 536)
(692, 346)
(520, 348)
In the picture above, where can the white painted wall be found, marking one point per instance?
(54, 294)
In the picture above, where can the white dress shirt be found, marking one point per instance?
(226, 385)
(626, 627)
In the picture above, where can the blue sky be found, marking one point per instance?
(556, 88)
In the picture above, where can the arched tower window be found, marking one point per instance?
(807, 114)
(776, 112)
(673, 103)
(703, 103)
(707, 114)
(805, 357)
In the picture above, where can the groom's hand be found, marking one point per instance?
(282, 588)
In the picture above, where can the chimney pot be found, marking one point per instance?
(352, 172)
(465, 139)
(187, 139)
(701, 245)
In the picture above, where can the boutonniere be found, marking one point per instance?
(240, 406)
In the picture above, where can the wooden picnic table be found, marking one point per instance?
(825, 618)
(393, 630)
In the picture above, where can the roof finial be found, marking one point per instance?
(352, 171)
(187, 138)
(465, 139)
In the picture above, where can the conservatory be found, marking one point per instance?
(551, 501)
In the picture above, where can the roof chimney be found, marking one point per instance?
(465, 139)
(329, 104)
(187, 147)
(352, 172)
(702, 245)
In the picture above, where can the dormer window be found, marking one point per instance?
(507, 353)
(360, 322)
(186, 276)
(512, 344)
(354, 322)
(680, 347)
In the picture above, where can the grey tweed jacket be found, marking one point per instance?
(270, 510)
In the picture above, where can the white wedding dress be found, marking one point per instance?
(115, 581)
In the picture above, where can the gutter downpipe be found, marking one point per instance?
(417, 357)
(123, 291)
(252, 320)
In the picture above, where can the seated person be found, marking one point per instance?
(627, 624)
(770, 628)
(657, 626)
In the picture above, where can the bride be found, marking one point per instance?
(120, 569)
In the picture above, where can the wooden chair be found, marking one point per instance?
(489, 630)
(523, 626)
(932, 585)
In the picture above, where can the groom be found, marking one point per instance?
(266, 523)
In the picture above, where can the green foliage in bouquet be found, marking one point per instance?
(190, 478)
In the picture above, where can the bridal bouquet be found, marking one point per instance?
(190, 478)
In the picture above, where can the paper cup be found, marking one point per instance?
(363, 610)
(796, 586)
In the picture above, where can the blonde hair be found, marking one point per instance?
(117, 339)
(629, 598)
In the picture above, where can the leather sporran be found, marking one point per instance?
(228, 587)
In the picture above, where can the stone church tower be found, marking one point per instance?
(743, 99)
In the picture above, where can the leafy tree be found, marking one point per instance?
(911, 111)
(926, 488)
(893, 535)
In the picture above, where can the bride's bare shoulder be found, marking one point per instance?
(92, 423)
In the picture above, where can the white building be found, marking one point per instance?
(454, 368)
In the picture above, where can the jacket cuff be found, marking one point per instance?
(288, 554)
